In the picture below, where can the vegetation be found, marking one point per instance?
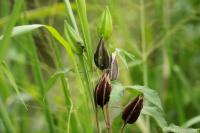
(85, 66)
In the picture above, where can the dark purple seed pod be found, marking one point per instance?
(132, 110)
(102, 91)
(101, 56)
(113, 67)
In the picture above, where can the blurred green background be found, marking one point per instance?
(169, 30)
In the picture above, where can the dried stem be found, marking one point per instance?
(107, 118)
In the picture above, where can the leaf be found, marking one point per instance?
(11, 79)
(149, 94)
(123, 54)
(156, 113)
(192, 121)
(177, 129)
(116, 93)
(18, 30)
(54, 77)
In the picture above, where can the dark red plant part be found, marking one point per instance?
(101, 56)
(113, 67)
(132, 110)
(103, 90)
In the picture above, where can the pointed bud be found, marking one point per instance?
(101, 56)
(113, 67)
(105, 26)
(132, 110)
(102, 91)
(74, 39)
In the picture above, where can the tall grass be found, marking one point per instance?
(157, 49)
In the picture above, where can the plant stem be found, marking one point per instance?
(40, 81)
(65, 87)
(122, 128)
(144, 57)
(97, 120)
(5, 118)
(81, 8)
(107, 118)
(8, 30)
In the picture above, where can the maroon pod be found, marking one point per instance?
(102, 90)
(101, 56)
(132, 110)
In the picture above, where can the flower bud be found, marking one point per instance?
(105, 26)
(132, 110)
(74, 39)
(101, 56)
(102, 91)
(113, 67)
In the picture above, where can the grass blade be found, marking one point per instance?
(11, 79)
(4, 43)
(5, 118)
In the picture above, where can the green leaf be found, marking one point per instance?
(177, 129)
(116, 93)
(54, 77)
(192, 121)
(156, 113)
(74, 39)
(123, 54)
(4, 41)
(11, 79)
(149, 94)
(18, 30)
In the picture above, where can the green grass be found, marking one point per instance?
(45, 86)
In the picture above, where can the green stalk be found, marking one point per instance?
(81, 57)
(5, 118)
(4, 43)
(144, 57)
(88, 81)
(81, 8)
(65, 87)
(40, 81)
(71, 15)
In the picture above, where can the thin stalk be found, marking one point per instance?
(5, 118)
(4, 43)
(109, 125)
(145, 70)
(122, 128)
(40, 81)
(81, 57)
(87, 75)
(71, 15)
(97, 120)
(81, 8)
(65, 87)
(87, 79)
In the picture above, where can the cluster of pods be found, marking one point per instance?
(109, 66)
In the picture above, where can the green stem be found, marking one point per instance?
(144, 57)
(5, 118)
(4, 43)
(65, 87)
(40, 81)
(81, 8)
